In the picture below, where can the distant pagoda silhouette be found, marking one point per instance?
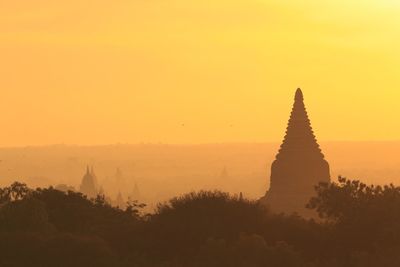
(89, 183)
(299, 165)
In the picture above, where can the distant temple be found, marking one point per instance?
(120, 202)
(224, 174)
(135, 194)
(299, 165)
(120, 182)
(89, 183)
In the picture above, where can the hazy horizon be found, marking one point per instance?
(163, 171)
(190, 144)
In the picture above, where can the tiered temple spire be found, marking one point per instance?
(299, 138)
(299, 164)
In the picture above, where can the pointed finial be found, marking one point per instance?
(299, 94)
(87, 169)
(92, 170)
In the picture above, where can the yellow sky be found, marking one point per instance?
(91, 72)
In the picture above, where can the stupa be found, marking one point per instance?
(299, 165)
(89, 184)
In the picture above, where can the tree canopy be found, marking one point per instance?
(358, 226)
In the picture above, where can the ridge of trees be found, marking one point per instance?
(358, 225)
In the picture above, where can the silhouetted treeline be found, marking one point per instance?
(359, 225)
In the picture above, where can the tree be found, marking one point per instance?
(15, 191)
(361, 217)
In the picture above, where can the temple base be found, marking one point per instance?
(289, 203)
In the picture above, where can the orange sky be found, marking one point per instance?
(91, 72)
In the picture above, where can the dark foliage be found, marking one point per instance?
(46, 227)
(363, 221)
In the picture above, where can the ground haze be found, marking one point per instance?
(163, 171)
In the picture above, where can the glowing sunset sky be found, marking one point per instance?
(98, 72)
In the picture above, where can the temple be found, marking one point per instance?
(299, 165)
(89, 183)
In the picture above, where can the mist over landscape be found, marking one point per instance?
(162, 171)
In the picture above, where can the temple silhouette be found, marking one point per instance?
(298, 167)
(89, 183)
